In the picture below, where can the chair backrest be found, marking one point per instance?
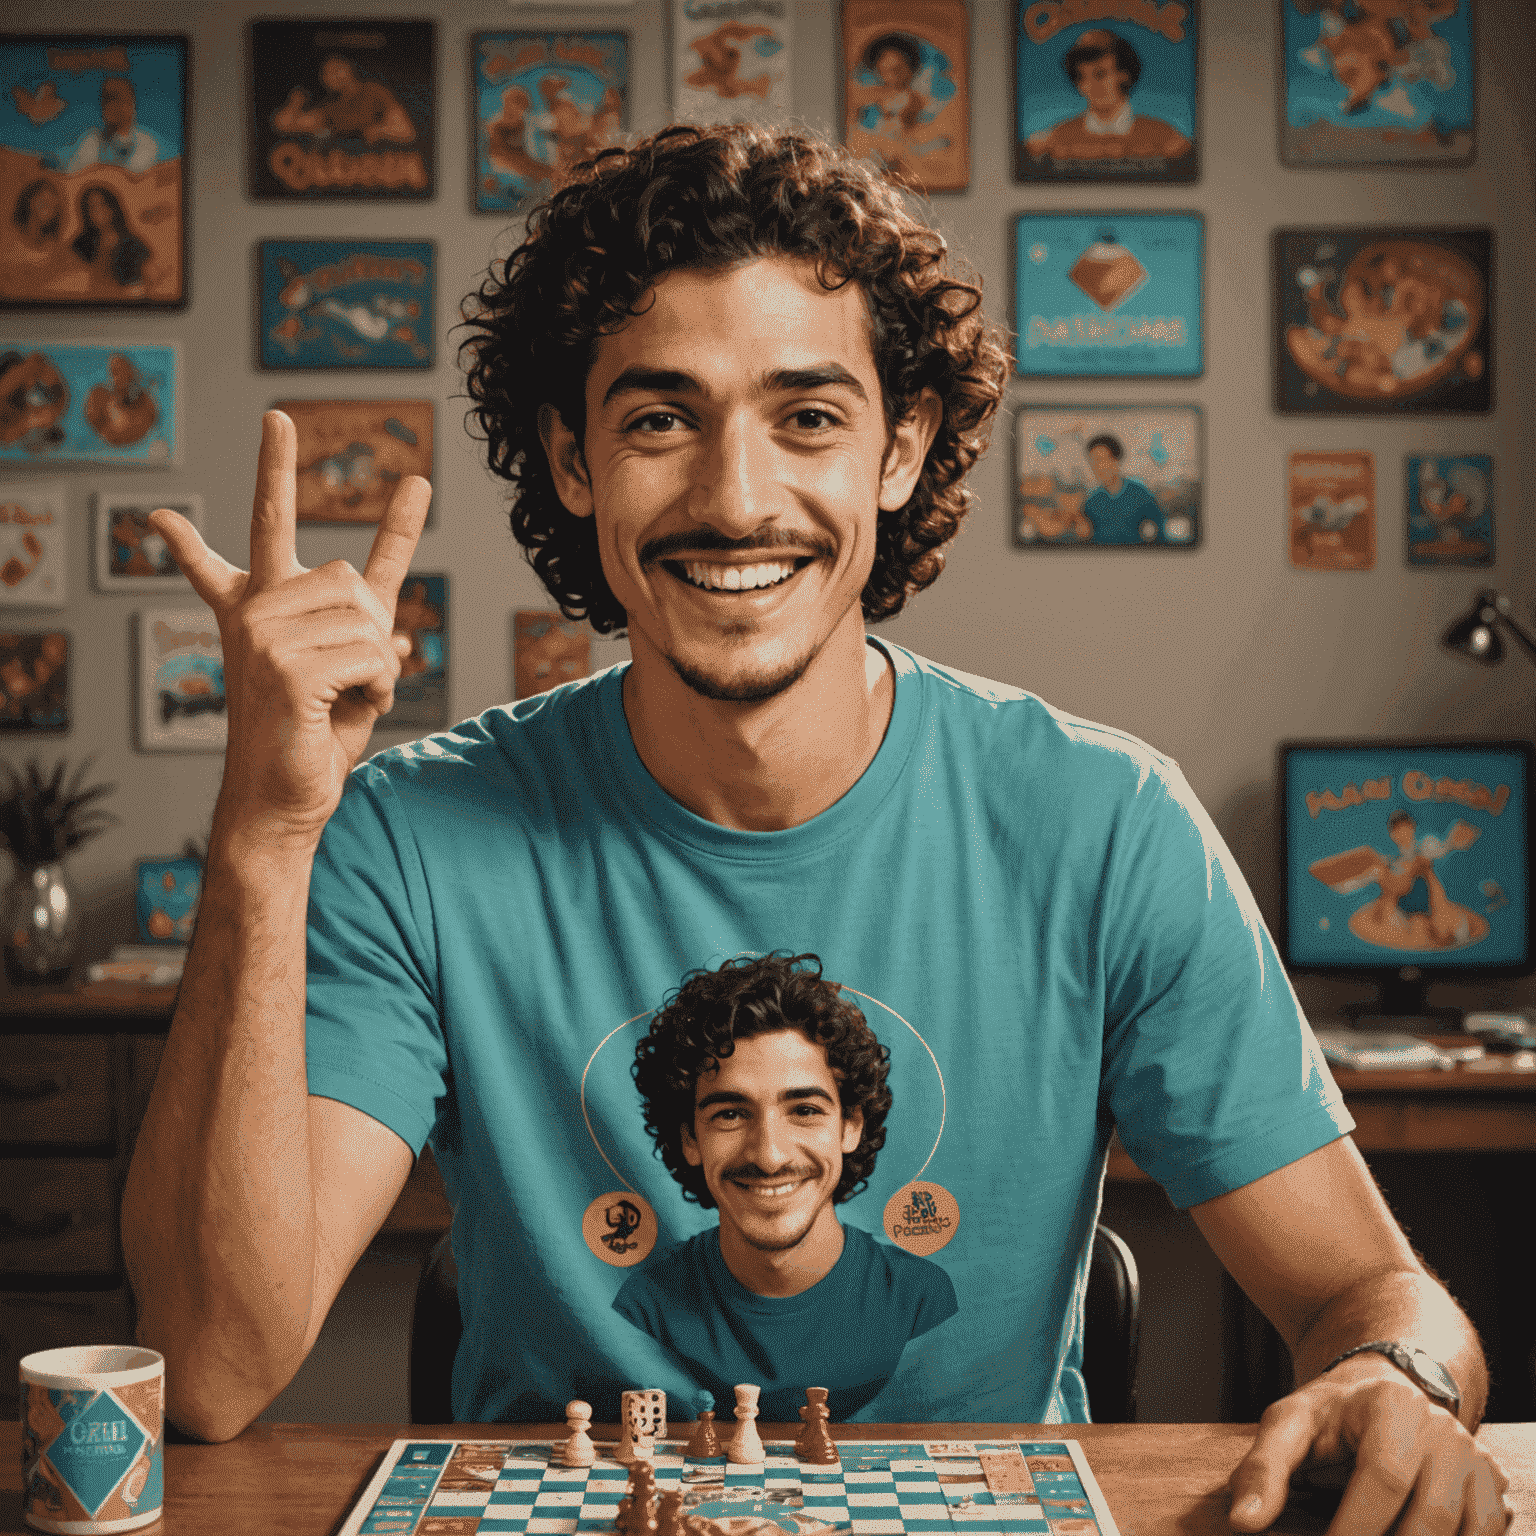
(1111, 1338)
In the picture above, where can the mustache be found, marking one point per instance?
(707, 540)
(781, 1175)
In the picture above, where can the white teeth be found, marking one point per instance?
(738, 578)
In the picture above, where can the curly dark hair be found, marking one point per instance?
(708, 198)
(701, 1023)
(1095, 45)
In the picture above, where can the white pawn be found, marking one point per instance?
(578, 1451)
(746, 1447)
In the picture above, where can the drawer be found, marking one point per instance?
(56, 1089)
(58, 1216)
(30, 1321)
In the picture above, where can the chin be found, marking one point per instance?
(742, 688)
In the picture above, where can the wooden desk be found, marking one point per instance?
(300, 1480)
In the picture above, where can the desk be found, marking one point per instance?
(299, 1480)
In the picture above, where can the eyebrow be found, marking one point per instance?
(637, 379)
(726, 1097)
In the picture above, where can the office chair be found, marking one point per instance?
(1111, 1340)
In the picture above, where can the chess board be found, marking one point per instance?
(878, 1488)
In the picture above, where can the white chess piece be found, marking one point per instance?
(578, 1451)
(746, 1447)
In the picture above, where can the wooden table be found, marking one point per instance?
(300, 1480)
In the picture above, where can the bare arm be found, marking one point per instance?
(248, 1201)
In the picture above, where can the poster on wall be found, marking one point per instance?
(907, 89)
(130, 556)
(343, 109)
(1450, 509)
(732, 61)
(181, 702)
(421, 690)
(1385, 83)
(1332, 498)
(548, 649)
(93, 134)
(32, 528)
(79, 402)
(1108, 476)
(1109, 295)
(1107, 103)
(34, 681)
(542, 102)
(353, 453)
(1383, 322)
(346, 303)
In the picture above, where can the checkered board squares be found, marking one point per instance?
(879, 1488)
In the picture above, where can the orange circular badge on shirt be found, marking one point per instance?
(620, 1228)
(922, 1217)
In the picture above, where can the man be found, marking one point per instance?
(119, 140)
(1122, 510)
(351, 108)
(736, 388)
(765, 1090)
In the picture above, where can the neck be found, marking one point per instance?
(763, 767)
(785, 1271)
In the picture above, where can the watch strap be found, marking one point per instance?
(1421, 1368)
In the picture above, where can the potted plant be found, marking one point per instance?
(43, 819)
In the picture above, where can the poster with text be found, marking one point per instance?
(181, 704)
(1332, 499)
(1108, 476)
(34, 681)
(346, 303)
(1383, 322)
(1109, 295)
(1377, 82)
(343, 109)
(1116, 103)
(1450, 509)
(353, 453)
(907, 89)
(543, 102)
(32, 556)
(78, 402)
(732, 61)
(93, 137)
(421, 690)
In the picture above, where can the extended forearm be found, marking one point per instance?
(218, 1213)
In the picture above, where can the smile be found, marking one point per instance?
(736, 578)
(770, 1191)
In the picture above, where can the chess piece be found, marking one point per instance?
(746, 1447)
(640, 1416)
(637, 1513)
(705, 1444)
(814, 1444)
(669, 1514)
(578, 1451)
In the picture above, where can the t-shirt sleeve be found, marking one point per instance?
(1210, 1069)
(374, 1037)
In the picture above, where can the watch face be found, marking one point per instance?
(1434, 1376)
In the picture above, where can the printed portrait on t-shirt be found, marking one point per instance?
(766, 1094)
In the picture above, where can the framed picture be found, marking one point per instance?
(1383, 322)
(1109, 295)
(34, 681)
(93, 139)
(352, 454)
(421, 691)
(542, 101)
(1450, 509)
(907, 89)
(1117, 103)
(1108, 476)
(181, 681)
(1391, 84)
(1332, 497)
(547, 649)
(343, 108)
(728, 68)
(129, 556)
(32, 546)
(65, 402)
(346, 303)
(166, 893)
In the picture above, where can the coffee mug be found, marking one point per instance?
(92, 1438)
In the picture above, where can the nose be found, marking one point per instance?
(770, 1145)
(732, 491)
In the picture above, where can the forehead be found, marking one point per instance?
(765, 1065)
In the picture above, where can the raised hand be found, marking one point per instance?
(310, 657)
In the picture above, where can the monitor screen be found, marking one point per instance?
(1406, 854)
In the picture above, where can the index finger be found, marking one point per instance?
(394, 544)
(274, 514)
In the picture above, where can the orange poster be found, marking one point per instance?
(1333, 510)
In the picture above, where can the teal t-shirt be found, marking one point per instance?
(1034, 913)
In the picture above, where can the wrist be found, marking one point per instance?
(1393, 1357)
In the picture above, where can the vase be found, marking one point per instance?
(41, 926)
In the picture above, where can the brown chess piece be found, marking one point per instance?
(637, 1513)
(814, 1444)
(705, 1443)
(669, 1514)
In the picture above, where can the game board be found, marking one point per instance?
(878, 1488)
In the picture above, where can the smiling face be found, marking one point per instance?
(736, 459)
(770, 1135)
(1103, 84)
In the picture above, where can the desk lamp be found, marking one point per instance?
(1477, 634)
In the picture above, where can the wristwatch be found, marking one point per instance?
(1419, 1367)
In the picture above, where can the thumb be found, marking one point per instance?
(213, 578)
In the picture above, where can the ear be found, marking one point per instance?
(691, 1153)
(566, 464)
(853, 1130)
(908, 451)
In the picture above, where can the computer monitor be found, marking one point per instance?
(1404, 863)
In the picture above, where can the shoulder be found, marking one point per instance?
(671, 1278)
(910, 1283)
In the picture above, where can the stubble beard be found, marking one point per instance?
(750, 690)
